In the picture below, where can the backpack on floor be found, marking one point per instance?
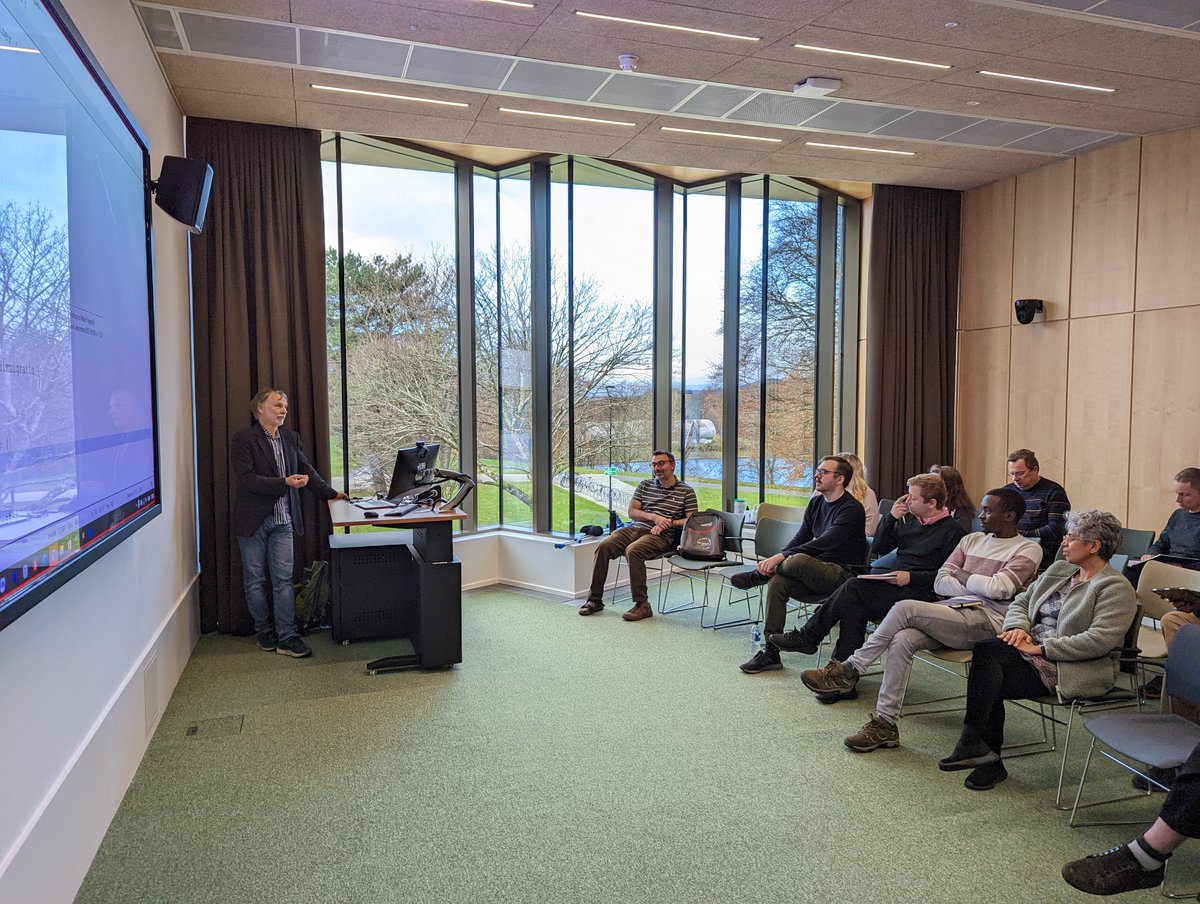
(312, 597)
(703, 537)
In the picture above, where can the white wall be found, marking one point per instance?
(84, 675)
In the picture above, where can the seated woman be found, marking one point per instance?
(1060, 635)
(962, 509)
(858, 488)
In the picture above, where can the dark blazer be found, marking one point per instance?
(259, 484)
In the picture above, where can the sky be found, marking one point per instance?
(388, 210)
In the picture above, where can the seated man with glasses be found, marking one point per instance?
(1046, 503)
(818, 559)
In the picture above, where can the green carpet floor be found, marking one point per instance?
(569, 760)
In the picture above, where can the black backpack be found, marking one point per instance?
(312, 598)
(703, 537)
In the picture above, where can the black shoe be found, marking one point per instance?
(267, 640)
(794, 641)
(752, 577)
(968, 756)
(1163, 776)
(1152, 689)
(1111, 872)
(762, 661)
(835, 696)
(986, 777)
(294, 647)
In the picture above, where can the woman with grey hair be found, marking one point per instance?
(1061, 635)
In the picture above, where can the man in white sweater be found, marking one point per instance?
(978, 581)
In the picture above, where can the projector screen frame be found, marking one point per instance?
(86, 556)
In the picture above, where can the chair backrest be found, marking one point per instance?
(770, 535)
(976, 524)
(1162, 574)
(791, 513)
(733, 530)
(885, 506)
(1134, 543)
(1183, 664)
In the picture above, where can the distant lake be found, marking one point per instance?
(710, 469)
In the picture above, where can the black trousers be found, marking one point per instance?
(998, 673)
(1181, 809)
(852, 605)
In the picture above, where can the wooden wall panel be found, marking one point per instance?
(1099, 377)
(985, 286)
(1168, 257)
(1044, 211)
(1104, 247)
(1165, 425)
(1037, 407)
(981, 428)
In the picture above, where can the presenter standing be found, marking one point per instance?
(270, 469)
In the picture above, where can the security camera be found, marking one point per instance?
(1027, 308)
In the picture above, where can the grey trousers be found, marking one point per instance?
(912, 625)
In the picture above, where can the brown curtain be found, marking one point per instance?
(258, 309)
(912, 315)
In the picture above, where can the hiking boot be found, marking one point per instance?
(835, 696)
(752, 577)
(1152, 689)
(875, 734)
(294, 647)
(591, 607)
(1111, 872)
(638, 612)
(267, 640)
(794, 641)
(763, 661)
(1162, 776)
(968, 755)
(834, 678)
(986, 777)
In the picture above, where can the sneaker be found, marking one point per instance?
(875, 734)
(752, 577)
(1111, 872)
(794, 641)
(267, 640)
(294, 647)
(1163, 776)
(762, 661)
(591, 607)
(835, 696)
(1152, 689)
(835, 678)
(986, 777)
(967, 756)
(638, 612)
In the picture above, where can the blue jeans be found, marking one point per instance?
(269, 551)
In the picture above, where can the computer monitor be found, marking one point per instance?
(414, 469)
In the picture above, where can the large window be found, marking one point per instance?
(563, 307)
(391, 291)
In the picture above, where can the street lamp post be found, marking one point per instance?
(612, 515)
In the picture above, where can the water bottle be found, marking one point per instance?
(756, 638)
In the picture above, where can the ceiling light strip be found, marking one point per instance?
(695, 31)
(871, 56)
(720, 134)
(851, 147)
(605, 122)
(1047, 81)
(405, 97)
(511, 3)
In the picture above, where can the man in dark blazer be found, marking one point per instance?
(270, 470)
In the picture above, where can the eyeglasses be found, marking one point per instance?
(823, 472)
(1017, 475)
(660, 464)
(1075, 538)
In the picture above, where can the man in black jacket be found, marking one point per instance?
(913, 540)
(270, 469)
(818, 559)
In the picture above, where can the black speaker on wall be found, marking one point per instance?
(182, 190)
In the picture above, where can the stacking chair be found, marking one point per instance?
(1155, 740)
(698, 570)
(792, 514)
(620, 597)
(957, 663)
(770, 535)
(1135, 543)
(1160, 574)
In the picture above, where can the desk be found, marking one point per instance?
(384, 586)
